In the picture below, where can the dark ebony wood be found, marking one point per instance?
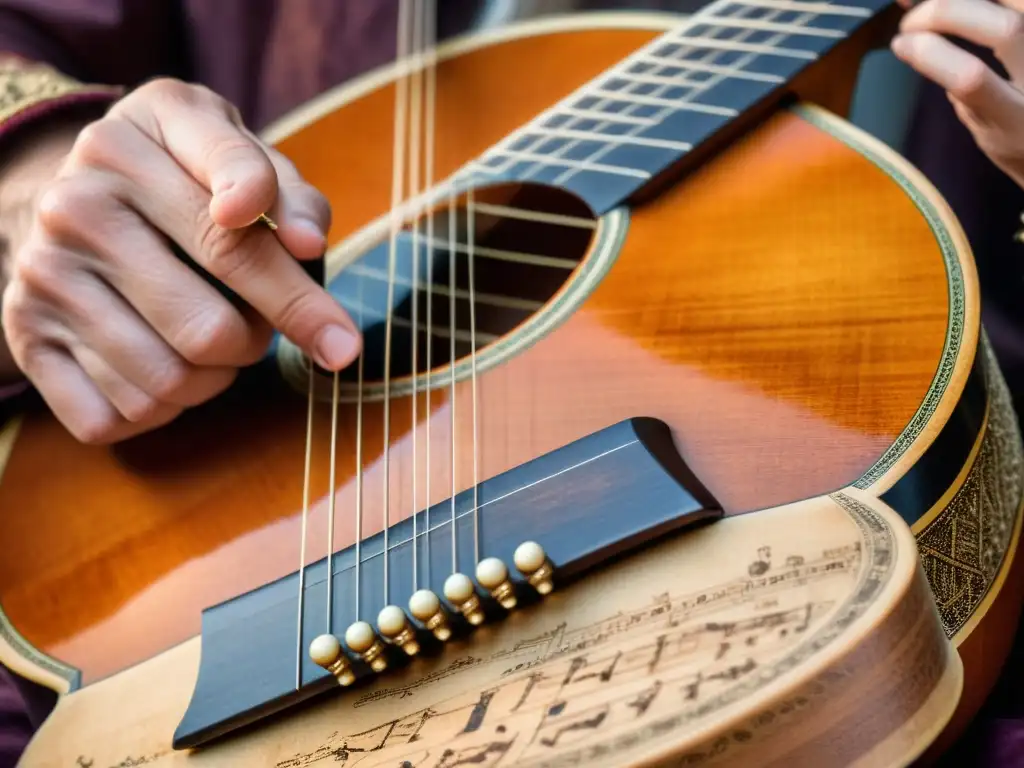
(585, 503)
(706, 104)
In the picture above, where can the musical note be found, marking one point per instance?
(583, 724)
(476, 717)
(569, 682)
(645, 697)
(486, 755)
(128, 762)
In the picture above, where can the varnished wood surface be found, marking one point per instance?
(784, 310)
(801, 637)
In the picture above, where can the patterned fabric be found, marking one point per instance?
(29, 90)
(265, 56)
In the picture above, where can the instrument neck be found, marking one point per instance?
(614, 136)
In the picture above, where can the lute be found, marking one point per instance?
(676, 439)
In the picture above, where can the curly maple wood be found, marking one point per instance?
(745, 363)
(787, 310)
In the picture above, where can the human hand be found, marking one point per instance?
(117, 333)
(991, 106)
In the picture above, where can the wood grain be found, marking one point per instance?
(834, 656)
(783, 310)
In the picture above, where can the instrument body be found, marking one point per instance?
(802, 312)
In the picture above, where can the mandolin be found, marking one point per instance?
(675, 439)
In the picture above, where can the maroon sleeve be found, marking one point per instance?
(94, 48)
(57, 55)
(15, 725)
(113, 42)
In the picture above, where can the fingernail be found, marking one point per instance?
(336, 347)
(310, 228)
(899, 45)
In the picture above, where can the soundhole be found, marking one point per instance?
(525, 242)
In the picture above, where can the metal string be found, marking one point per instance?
(423, 109)
(470, 243)
(452, 237)
(360, 368)
(305, 521)
(430, 108)
(397, 190)
(416, 104)
(333, 500)
(423, 23)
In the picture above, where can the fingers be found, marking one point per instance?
(131, 403)
(254, 264)
(83, 213)
(145, 382)
(111, 331)
(982, 22)
(79, 404)
(206, 136)
(109, 309)
(251, 261)
(196, 128)
(85, 401)
(964, 76)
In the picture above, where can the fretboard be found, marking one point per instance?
(612, 136)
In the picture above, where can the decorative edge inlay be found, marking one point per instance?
(964, 548)
(8, 634)
(930, 662)
(21, 646)
(957, 294)
(879, 558)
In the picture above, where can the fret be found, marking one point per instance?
(673, 104)
(577, 154)
(768, 26)
(519, 156)
(821, 9)
(679, 79)
(595, 114)
(606, 139)
(733, 45)
(611, 138)
(608, 89)
(690, 65)
(772, 68)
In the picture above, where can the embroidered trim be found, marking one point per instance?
(25, 86)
